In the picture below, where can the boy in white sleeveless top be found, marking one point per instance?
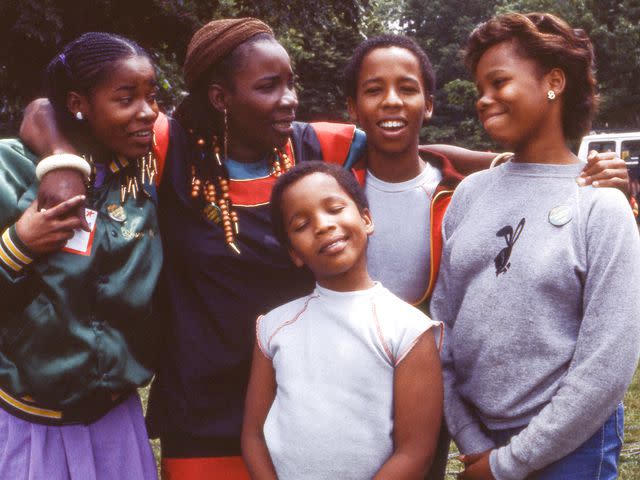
(346, 381)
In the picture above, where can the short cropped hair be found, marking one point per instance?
(551, 43)
(352, 70)
(345, 179)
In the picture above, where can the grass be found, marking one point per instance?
(629, 460)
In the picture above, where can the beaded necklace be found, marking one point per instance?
(132, 181)
(215, 191)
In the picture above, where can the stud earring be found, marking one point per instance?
(551, 95)
(79, 116)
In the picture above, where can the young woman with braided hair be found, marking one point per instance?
(223, 264)
(74, 342)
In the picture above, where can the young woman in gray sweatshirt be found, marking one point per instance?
(538, 282)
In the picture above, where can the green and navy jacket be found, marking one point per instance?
(76, 331)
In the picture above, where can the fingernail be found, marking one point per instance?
(581, 181)
(596, 183)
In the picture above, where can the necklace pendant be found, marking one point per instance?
(212, 213)
(116, 213)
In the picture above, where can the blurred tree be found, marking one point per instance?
(612, 26)
(319, 34)
(441, 27)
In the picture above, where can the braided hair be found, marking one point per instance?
(214, 55)
(81, 66)
(196, 114)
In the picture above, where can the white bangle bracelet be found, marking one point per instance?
(62, 160)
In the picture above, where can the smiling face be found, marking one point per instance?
(391, 103)
(262, 104)
(122, 109)
(327, 232)
(513, 105)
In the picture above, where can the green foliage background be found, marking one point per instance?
(320, 35)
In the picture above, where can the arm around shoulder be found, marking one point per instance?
(39, 130)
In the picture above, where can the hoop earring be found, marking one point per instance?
(551, 95)
(79, 116)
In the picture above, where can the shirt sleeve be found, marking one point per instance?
(15, 257)
(262, 335)
(464, 425)
(400, 326)
(17, 175)
(607, 346)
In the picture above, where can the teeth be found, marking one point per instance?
(141, 134)
(392, 124)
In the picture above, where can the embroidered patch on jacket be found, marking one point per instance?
(502, 259)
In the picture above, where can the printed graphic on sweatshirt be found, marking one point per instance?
(502, 259)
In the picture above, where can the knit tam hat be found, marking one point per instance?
(214, 41)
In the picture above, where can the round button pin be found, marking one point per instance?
(560, 215)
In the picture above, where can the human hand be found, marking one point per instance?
(60, 185)
(605, 169)
(48, 230)
(476, 467)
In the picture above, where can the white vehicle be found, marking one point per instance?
(626, 145)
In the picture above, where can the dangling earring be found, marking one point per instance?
(79, 116)
(551, 95)
(225, 139)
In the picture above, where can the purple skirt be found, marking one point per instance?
(112, 448)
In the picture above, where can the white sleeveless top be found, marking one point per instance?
(334, 355)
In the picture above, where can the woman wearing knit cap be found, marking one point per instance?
(232, 136)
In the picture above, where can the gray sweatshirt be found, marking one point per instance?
(538, 290)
